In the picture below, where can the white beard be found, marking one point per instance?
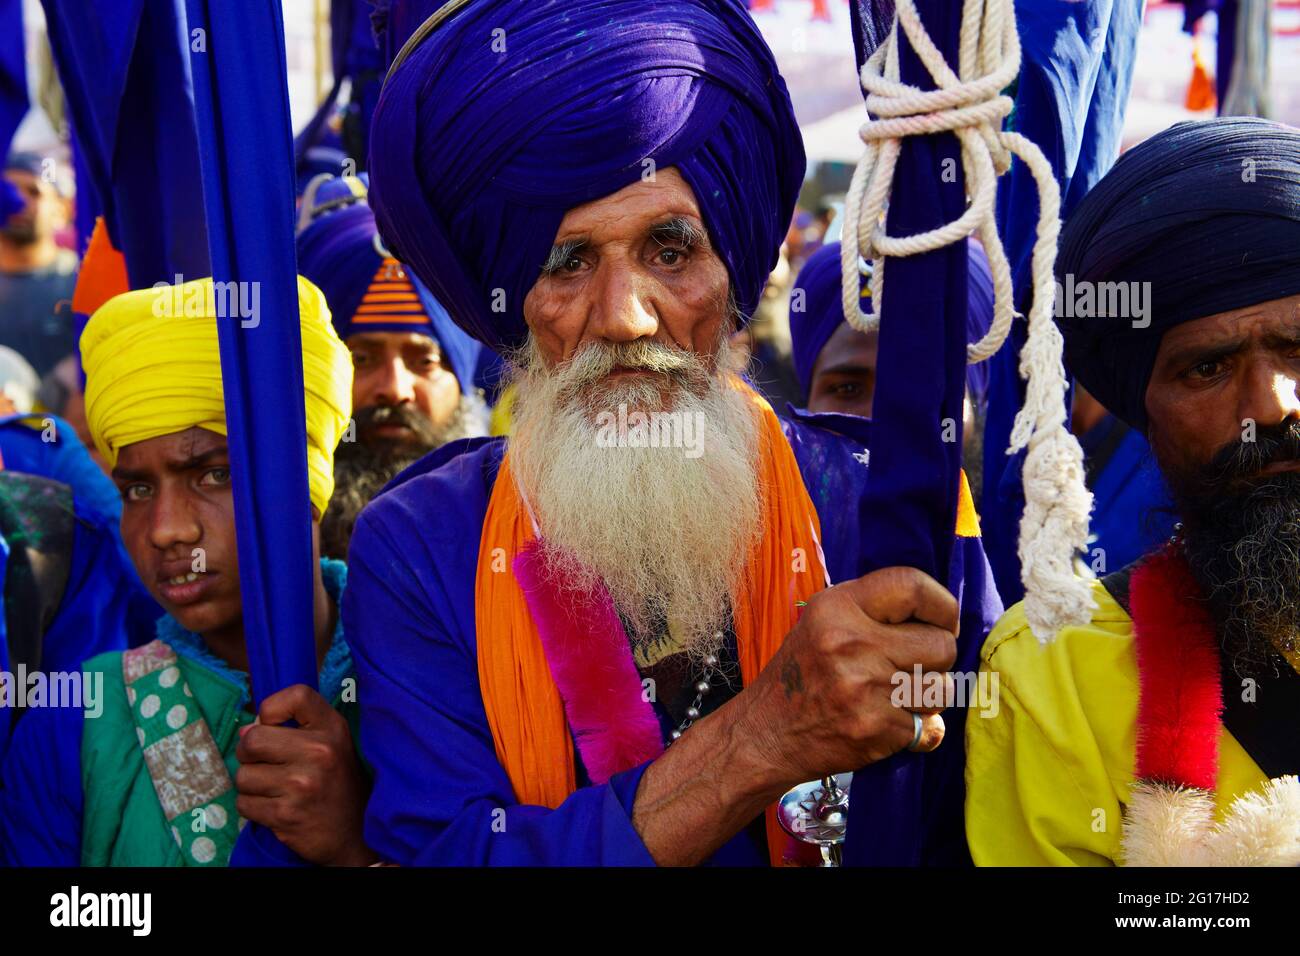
(667, 530)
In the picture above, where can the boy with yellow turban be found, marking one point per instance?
(167, 767)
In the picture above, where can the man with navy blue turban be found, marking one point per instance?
(413, 368)
(611, 641)
(1163, 732)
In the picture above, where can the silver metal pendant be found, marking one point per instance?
(817, 812)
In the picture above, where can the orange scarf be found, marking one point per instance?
(524, 708)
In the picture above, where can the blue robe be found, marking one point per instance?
(409, 615)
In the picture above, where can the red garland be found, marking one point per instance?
(1180, 702)
(614, 726)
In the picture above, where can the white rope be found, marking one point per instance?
(970, 104)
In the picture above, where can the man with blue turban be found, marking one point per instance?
(1163, 732)
(612, 641)
(836, 364)
(413, 368)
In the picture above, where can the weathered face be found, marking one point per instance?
(178, 523)
(1215, 375)
(43, 214)
(400, 370)
(844, 375)
(637, 264)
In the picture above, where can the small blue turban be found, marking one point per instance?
(815, 312)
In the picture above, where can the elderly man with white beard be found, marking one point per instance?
(591, 645)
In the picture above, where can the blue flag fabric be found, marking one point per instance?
(242, 107)
(125, 72)
(1071, 98)
(912, 485)
(13, 73)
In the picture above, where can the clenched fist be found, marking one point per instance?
(823, 704)
(305, 783)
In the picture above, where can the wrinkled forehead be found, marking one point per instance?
(664, 194)
(172, 450)
(1280, 317)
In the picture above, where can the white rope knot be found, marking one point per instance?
(970, 104)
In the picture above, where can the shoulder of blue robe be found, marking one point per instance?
(100, 609)
(41, 796)
(45, 445)
(440, 796)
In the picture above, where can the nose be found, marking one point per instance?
(1269, 396)
(624, 309)
(391, 384)
(173, 521)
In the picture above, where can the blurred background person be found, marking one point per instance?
(37, 275)
(413, 386)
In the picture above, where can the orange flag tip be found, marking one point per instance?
(1200, 91)
(102, 274)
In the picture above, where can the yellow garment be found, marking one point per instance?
(153, 368)
(502, 420)
(1048, 777)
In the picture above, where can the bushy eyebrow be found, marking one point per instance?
(679, 231)
(1196, 354)
(560, 254)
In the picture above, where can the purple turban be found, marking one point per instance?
(815, 312)
(511, 112)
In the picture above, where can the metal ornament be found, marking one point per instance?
(817, 812)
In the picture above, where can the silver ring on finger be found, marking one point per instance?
(918, 725)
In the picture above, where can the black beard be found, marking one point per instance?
(1241, 537)
(20, 234)
(364, 466)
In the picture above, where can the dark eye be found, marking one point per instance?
(135, 492)
(1206, 369)
(846, 390)
(216, 477)
(571, 264)
(359, 359)
(670, 256)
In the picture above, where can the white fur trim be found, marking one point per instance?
(1165, 826)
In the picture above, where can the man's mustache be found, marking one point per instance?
(423, 434)
(373, 416)
(1240, 461)
(598, 360)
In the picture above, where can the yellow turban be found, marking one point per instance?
(153, 368)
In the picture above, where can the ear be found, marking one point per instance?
(315, 535)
